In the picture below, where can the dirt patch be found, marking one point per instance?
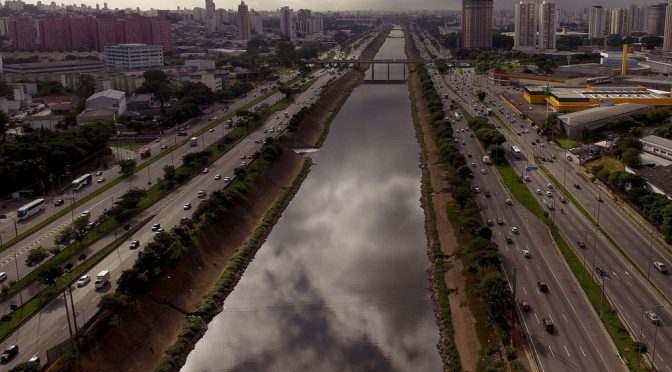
(159, 316)
(466, 338)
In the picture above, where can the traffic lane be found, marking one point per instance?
(626, 291)
(557, 308)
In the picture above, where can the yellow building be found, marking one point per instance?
(575, 99)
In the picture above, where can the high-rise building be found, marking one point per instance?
(210, 23)
(244, 27)
(4, 26)
(162, 33)
(137, 31)
(302, 19)
(286, 22)
(110, 32)
(667, 36)
(256, 22)
(55, 34)
(596, 22)
(619, 22)
(477, 24)
(547, 25)
(525, 36)
(656, 25)
(23, 32)
(83, 32)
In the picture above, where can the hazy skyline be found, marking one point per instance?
(341, 4)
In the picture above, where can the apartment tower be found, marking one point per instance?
(477, 24)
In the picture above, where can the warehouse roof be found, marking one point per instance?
(658, 141)
(601, 113)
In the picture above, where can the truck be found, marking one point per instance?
(102, 278)
(486, 160)
(145, 153)
(193, 142)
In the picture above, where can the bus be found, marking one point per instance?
(30, 209)
(81, 182)
(516, 152)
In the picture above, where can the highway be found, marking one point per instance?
(580, 342)
(50, 326)
(626, 288)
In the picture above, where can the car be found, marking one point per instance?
(258, 141)
(84, 280)
(242, 157)
(577, 186)
(3, 276)
(101, 180)
(99, 173)
(187, 206)
(86, 214)
(549, 194)
(489, 222)
(549, 186)
(218, 177)
(90, 225)
(526, 253)
(160, 230)
(34, 360)
(9, 353)
(525, 305)
(509, 240)
(581, 244)
(164, 146)
(242, 163)
(265, 130)
(509, 202)
(477, 189)
(500, 221)
(599, 198)
(59, 202)
(156, 226)
(542, 287)
(134, 244)
(473, 164)
(211, 130)
(487, 194)
(660, 267)
(600, 271)
(183, 220)
(227, 179)
(527, 178)
(515, 230)
(548, 324)
(653, 317)
(538, 191)
(206, 170)
(563, 200)
(201, 193)
(482, 170)
(250, 156)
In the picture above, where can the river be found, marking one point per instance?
(341, 283)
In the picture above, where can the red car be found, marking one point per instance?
(525, 305)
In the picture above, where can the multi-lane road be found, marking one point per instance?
(625, 286)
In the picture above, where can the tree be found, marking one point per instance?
(549, 123)
(26, 367)
(632, 157)
(80, 227)
(481, 95)
(340, 37)
(48, 274)
(36, 256)
(4, 121)
(495, 291)
(86, 85)
(127, 167)
(169, 172)
(64, 236)
(112, 301)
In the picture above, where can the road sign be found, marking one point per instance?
(531, 168)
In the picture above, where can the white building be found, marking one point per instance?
(597, 22)
(286, 22)
(658, 146)
(112, 100)
(133, 56)
(525, 26)
(256, 23)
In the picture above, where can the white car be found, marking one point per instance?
(242, 164)
(653, 317)
(99, 173)
(538, 191)
(3, 276)
(201, 193)
(227, 179)
(483, 170)
(660, 267)
(164, 146)
(206, 170)
(84, 280)
(514, 230)
(218, 177)
(526, 253)
(101, 180)
(187, 206)
(549, 194)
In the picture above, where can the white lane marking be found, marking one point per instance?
(567, 350)
(551, 350)
(563, 315)
(536, 317)
(582, 352)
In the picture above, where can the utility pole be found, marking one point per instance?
(655, 338)
(648, 272)
(641, 325)
(602, 296)
(513, 305)
(72, 305)
(67, 312)
(595, 241)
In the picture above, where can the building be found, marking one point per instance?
(133, 56)
(658, 146)
(210, 20)
(576, 125)
(83, 33)
(575, 99)
(256, 23)
(244, 27)
(477, 24)
(113, 100)
(84, 66)
(286, 22)
(634, 19)
(55, 34)
(110, 31)
(667, 35)
(525, 36)
(23, 33)
(162, 33)
(618, 22)
(596, 22)
(505, 77)
(656, 19)
(547, 20)
(658, 178)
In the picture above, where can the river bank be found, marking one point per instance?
(461, 333)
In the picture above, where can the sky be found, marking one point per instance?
(341, 4)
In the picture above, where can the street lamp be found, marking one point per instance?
(655, 338)
(595, 241)
(641, 325)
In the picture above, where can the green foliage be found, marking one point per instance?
(36, 256)
(86, 85)
(26, 367)
(49, 273)
(481, 95)
(495, 292)
(340, 37)
(112, 301)
(126, 167)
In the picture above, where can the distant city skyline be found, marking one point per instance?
(338, 5)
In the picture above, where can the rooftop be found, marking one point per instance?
(658, 141)
(602, 92)
(54, 64)
(109, 93)
(660, 177)
(601, 113)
